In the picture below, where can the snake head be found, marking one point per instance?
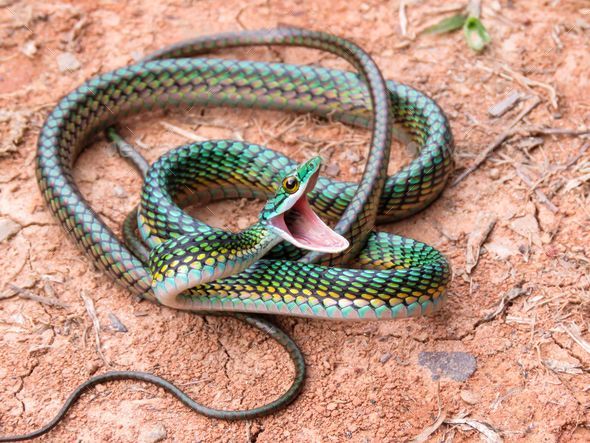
(290, 215)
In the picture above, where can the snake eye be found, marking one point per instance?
(291, 184)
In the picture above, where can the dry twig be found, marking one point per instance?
(524, 131)
(487, 430)
(429, 430)
(509, 74)
(573, 330)
(403, 19)
(297, 122)
(568, 163)
(563, 367)
(484, 224)
(539, 130)
(89, 304)
(453, 7)
(506, 104)
(534, 185)
(507, 133)
(23, 293)
(183, 132)
(528, 83)
(507, 298)
(540, 194)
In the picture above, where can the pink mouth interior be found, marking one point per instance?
(301, 226)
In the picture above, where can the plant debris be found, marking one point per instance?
(525, 360)
(484, 224)
(489, 433)
(505, 301)
(116, 324)
(89, 304)
(505, 105)
(24, 293)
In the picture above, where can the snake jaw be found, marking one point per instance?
(302, 227)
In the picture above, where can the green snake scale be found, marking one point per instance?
(389, 276)
(397, 277)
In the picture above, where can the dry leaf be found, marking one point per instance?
(483, 226)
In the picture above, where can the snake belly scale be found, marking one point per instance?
(389, 276)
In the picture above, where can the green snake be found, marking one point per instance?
(289, 262)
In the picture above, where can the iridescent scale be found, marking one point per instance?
(398, 277)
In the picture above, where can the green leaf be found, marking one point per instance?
(448, 24)
(476, 35)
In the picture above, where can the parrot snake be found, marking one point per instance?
(290, 262)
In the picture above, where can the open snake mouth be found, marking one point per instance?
(301, 226)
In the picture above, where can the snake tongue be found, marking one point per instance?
(301, 226)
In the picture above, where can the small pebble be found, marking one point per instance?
(137, 55)
(153, 435)
(119, 192)
(116, 324)
(501, 248)
(18, 318)
(92, 367)
(385, 358)
(458, 366)
(528, 227)
(66, 61)
(352, 156)
(8, 228)
(111, 20)
(332, 169)
(470, 397)
(494, 173)
(29, 48)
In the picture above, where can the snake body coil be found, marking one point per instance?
(393, 277)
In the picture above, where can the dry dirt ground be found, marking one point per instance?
(365, 383)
